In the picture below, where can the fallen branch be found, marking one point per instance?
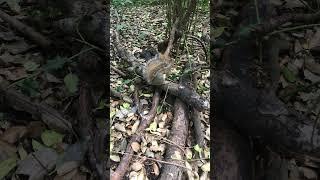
(136, 98)
(157, 160)
(146, 120)
(51, 117)
(118, 71)
(26, 30)
(232, 151)
(178, 135)
(196, 118)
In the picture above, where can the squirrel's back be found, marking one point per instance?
(155, 69)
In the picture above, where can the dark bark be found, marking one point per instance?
(233, 156)
(40, 111)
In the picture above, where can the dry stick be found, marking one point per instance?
(89, 44)
(159, 161)
(202, 45)
(26, 30)
(170, 142)
(146, 120)
(293, 28)
(136, 98)
(53, 118)
(171, 39)
(118, 71)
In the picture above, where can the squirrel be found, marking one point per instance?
(158, 67)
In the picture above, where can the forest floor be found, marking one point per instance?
(141, 27)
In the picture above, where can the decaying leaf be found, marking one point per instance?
(136, 166)
(135, 146)
(14, 133)
(36, 165)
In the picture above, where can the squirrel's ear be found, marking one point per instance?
(162, 46)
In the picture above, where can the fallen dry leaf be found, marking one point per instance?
(36, 165)
(136, 166)
(14, 133)
(135, 146)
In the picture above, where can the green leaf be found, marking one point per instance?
(197, 148)
(101, 105)
(153, 126)
(36, 145)
(22, 152)
(6, 166)
(147, 95)
(126, 105)
(31, 66)
(217, 32)
(112, 113)
(29, 87)
(288, 75)
(50, 137)
(159, 109)
(206, 167)
(55, 64)
(127, 81)
(71, 82)
(119, 27)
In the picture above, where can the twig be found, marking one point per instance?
(257, 11)
(171, 38)
(23, 79)
(118, 71)
(157, 160)
(136, 98)
(292, 28)
(202, 45)
(89, 44)
(314, 127)
(81, 52)
(170, 142)
(307, 5)
(164, 99)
